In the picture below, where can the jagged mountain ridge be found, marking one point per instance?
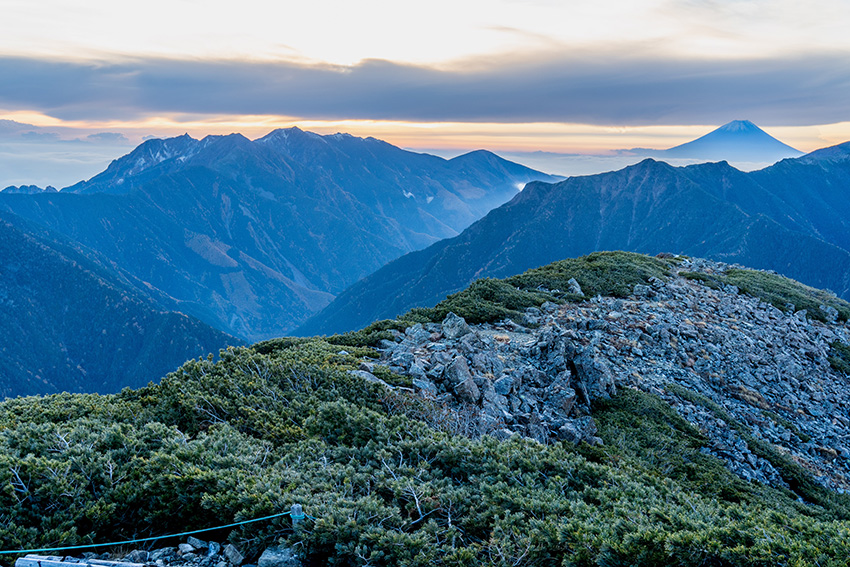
(432, 195)
(71, 323)
(793, 217)
(252, 237)
(27, 190)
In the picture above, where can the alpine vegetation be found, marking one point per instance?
(615, 409)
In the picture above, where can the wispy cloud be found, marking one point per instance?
(108, 137)
(591, 89)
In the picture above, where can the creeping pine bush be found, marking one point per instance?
(601, 273)
(839, 357)
(263, 428)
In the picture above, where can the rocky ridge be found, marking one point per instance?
(193, 552)
(676, 338)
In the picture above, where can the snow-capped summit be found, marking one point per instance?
(739, 126)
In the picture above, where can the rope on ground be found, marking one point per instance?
(118, 543)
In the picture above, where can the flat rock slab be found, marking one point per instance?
(519, 339)
(59, 561)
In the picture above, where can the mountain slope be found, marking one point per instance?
(252, 237)
(670, 419)
(710, 210)
(70, 323)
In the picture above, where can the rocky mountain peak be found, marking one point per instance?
(758, 381)
(739, 140)
(739, 126)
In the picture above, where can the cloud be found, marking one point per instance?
(576, 88)
(108, 138)
(12, 127)
(40, 136)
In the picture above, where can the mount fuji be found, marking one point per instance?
(736, 141)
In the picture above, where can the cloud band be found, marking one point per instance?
(591, 90)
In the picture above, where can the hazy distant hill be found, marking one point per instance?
(69, 322)
(252, 237)
(793, 217)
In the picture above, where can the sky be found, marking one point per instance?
(87, 80)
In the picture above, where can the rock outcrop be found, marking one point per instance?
(193, 552)
(767, 369)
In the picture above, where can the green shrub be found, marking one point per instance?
(780, 291)
(839, 357)
(601, 273)
(369, 336)
(712, 281)
(612, 274)
(389, 479)
(483, 301)
(252, 433)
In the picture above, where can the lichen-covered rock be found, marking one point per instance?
(369, 377)
(467, 391)
(594, 375)
(279, 557)
(425, 387)
(454, 327)
(234, 557)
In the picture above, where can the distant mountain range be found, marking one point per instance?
(71, 322)
(793, 217)
(740, 142)
(252, 237)
(27, 190)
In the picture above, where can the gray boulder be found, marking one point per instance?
(503, 385)
(467, 391)
(594, 375)
(457, 371)
(461, 381)
(454, 327)
(642, 290)
(232, 554)
(369, 377)
(574, 287)
(137, 556)
(279, 557)
(425, 387)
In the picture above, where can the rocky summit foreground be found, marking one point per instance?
(742, 371)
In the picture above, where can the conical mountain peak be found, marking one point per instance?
(739, 126)
(736, 141)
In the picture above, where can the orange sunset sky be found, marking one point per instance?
(581, 76)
